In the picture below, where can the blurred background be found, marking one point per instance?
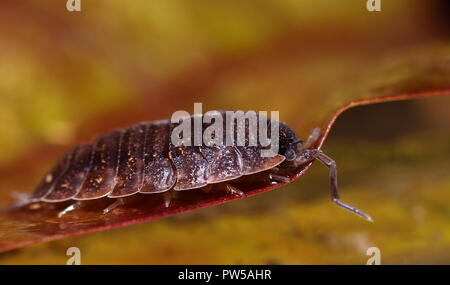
(66, 77)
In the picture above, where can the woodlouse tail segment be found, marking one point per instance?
(331, 164)
(233, 190)
(22, 199)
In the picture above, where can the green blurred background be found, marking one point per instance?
(68, 76)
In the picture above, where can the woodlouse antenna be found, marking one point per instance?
(331, 164)
(312, 139)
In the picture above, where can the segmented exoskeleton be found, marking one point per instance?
(143, 159)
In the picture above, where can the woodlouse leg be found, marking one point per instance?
(70, 208)
(117, 203)
(278, 178)
(233, 190)
(167, 196)
(275, 169)
(331, 164)
(207, 188)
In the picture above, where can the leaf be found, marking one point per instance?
(67, 77)
(24, 226)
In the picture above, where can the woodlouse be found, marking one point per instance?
(142, 159)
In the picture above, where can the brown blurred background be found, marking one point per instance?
(66, 77)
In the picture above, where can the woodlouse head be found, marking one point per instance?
(290, 144)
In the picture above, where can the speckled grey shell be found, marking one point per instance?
(142, 159)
